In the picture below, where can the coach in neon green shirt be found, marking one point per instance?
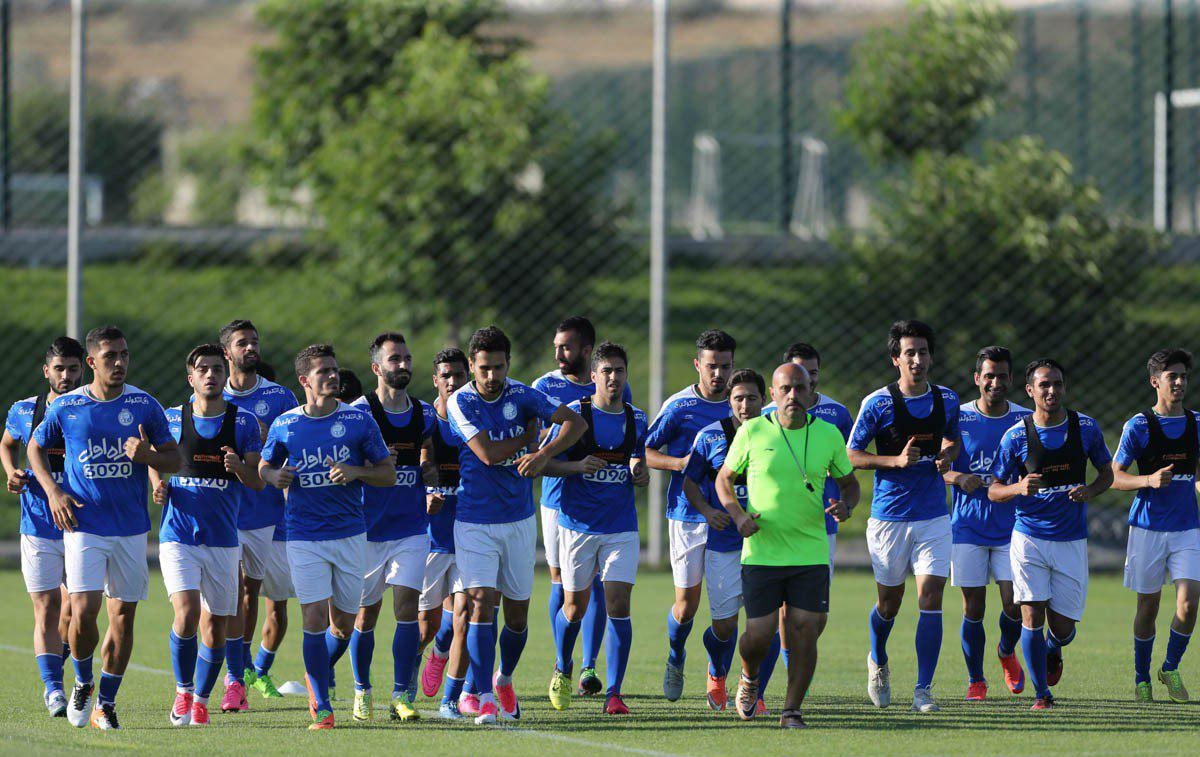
(785, 458)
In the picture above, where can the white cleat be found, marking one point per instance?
(879, 683)
(672, 683)
(56, 703)
(79, 708)
(923, 700)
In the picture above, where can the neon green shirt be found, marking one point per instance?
(792, 518)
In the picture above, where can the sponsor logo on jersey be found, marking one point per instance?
(103, 460)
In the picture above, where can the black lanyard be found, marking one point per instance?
(799, 467)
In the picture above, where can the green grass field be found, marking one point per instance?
(1097, 715)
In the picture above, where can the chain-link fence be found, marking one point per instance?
(333, 169)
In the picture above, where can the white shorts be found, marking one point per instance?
(1153, 555)
(497, 555)
(832, 552)
(42, 563)
(613, 556)
(265, 559)
(330, 569)
(399, 562)
(213, 571)
(1050, 571)
(687, 541)
(974, 564)
(723, 582)
(550, 536)
(898, 547)
(116, 564)
(441, 580)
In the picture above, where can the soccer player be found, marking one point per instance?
(495, 531)
(980, 529)
(1164, 530)
(914, 426)
(350, 388)
(598, 521)
(397, 528)
(723, 550)
(261, 529)
(1042, 469)
(198, 546)
(574, 340)
(785, 457)
(42, 541)
(443, 611)
(679, 420)
(111, 434)
(323, 452)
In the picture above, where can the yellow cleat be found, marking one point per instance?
(560, 690)
(402, 709)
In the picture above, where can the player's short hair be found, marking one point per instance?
(1160, 360)
(716, 341)
(996, 354)
(608, 351)
(801, 351)
(581, 326)
(204, 350)
(100, 334)
(378, 342)
(450, 356)
(266, 370)
(910, 328)
(349, 387)
(747, 376)
(306, 357)
(65, 347)
(1043, 362)
(489, 339)
(225, 335)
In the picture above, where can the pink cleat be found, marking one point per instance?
(487, 713)
(468, 704)
(506, 697)
(199, 713)
(235, 698)
(431, 676)
(181, 711)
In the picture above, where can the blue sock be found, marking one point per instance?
(445, 634)
(729, 650)
(716, 652)
(247, 657)
(880, 630)
(362, 651)
(469, 678)
(1033, 644)
(974, 640)
(767, 667)
(616, 651)
(405, 641)
(208, 668)
(556, 600)
(565, 634)
(453, 689)
(183, 659)
(83, 669)
(594, 621)
(1054, 645)
(677, 635)
(51, 668)
(481, 647)
(336, 648)
(1176, 646)
(1010, 634)
(1142, 651)
(109, 684)
(263, 661)
(787, 654)
(929, 646)
(316, 666)
(235, 659)
(512, 644)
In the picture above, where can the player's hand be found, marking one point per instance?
(747, 525)
(434, 503)
(591, 464)
(531, 465)
(137, 448)
(233, 463)
(909, 455)
(970, 483)
(18, 481)
(1160, 478)
(429, 473)
(1081, 494)
(838, 511)
(640, 471)
(160, 494)
(62, 509)
(1030, 485)
(283, 478)
(532, 434)
(942, 462)
(718, 520)
(339, 473)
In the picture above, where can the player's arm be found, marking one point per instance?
(381, 472)
(560, 468)
(493, 452)
(1101, 460)
(62, 505)
(744, 521)
(571, 426)
(656, 438)
(10, 454)
(280, 476)
(245, 468)
(947, 454)
(714, 517)
(863, 460)
(849, 493)
(429, 464)
(1124, 481)
(164, 457)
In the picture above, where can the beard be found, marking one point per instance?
(397, 379)
(247, 363)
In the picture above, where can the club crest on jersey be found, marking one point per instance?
(338, 430)
(125, 418)
(261, 408)
(510, 411)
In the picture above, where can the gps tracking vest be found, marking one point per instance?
(1065, 466)
(405, 441)
(728, 429)
(447, 459)
(203, 458)
(1161, 451)
(587, 443)
(926, 432)
(57, 455)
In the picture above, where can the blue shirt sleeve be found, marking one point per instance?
(248, 439)
(1097, 450)
(1005, 468)
(662, 429)
(49, 431)
(639, 447)
(697, 464)
(867, 425)
(158, 431)
(845, 423)
(540, 404)
(1134, 438)
(373, 446)
(952, 412)
(463, 417)
(12, 424)
(431, 419)
(274, 450)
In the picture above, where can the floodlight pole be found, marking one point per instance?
(658, 256)
(75, 171)
(785, 116)
(6, 114)
(1168, 175)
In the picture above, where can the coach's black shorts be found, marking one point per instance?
(765, 588)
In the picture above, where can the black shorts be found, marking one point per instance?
(766, 588)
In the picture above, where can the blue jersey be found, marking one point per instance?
(918, 491)
(832, 411)
(204, 511)
(1172, 508)
(1050, 514)
(98, 474)
(35, 509)
(680, 419)
(398, 511)
(267, 401)
(318, 509)
(441, 526)
(975, 519)
(603, 502)
(554, 384)
(708, 453)
(495, 493)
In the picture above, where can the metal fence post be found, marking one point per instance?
(75, 170)
(658, 255)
